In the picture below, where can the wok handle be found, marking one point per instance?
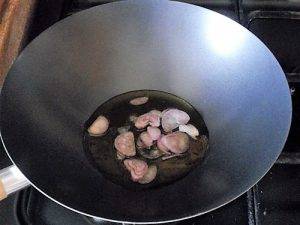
(11, 180)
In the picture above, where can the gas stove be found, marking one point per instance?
(273, 200)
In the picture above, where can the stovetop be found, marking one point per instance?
(276, 198)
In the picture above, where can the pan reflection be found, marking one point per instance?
(225, 38)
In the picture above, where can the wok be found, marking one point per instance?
(218, 66)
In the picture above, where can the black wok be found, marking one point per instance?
(218, 66)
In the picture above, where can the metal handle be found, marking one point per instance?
(11, 180)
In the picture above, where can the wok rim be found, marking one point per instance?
(230, 198)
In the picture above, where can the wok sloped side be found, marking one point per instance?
(223, 70)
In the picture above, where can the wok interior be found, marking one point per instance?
(102, 151)
(56, 84)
